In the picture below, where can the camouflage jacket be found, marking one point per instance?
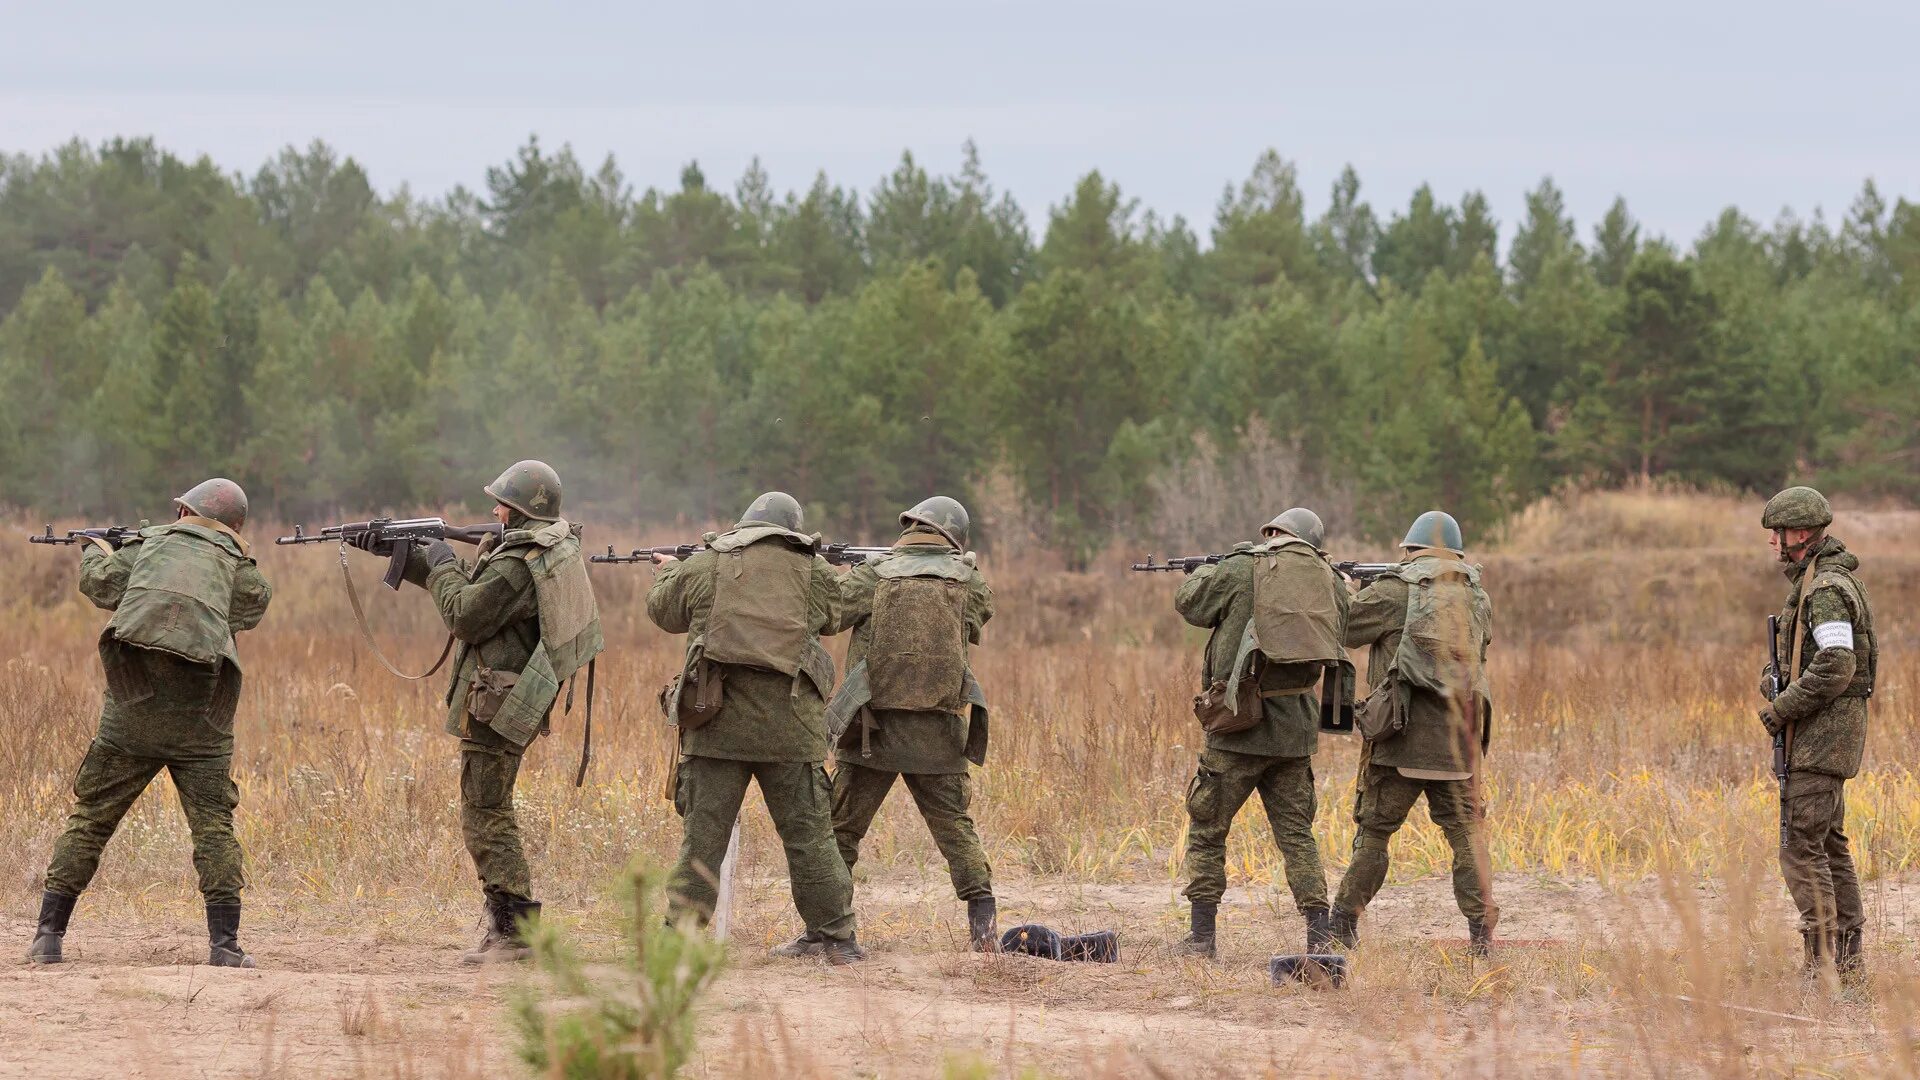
(494, 617)
(1826, 700)
(1437, 737)
(908, 742)
(139, 650)
(1219, 598)
(764, 715)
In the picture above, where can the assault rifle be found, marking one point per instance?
(111, 535)
(1781, 746)
(404, 533)
(837, 554)
(1187, 564)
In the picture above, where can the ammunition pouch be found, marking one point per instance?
(693, 697)
(1382, 714)
(1221, 714)
(488, 692)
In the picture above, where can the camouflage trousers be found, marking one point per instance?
(489, 766)
(708, 793)
(1815, 859)
(1383, 807)
(1224, 782)
(943, 799)
(105, 789)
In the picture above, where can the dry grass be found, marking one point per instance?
(1627, 766)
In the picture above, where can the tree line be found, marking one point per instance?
(674, 351)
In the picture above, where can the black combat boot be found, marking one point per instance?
(1813, 951)
(840, 952)
(1319, 932)
(983, 925)
(1479, 938)
(1100, 947)
(811, 943)
(223, 937)
(1853, 968)
(504, 941)
(1343, 928)
(1201, 939)
(55, 910)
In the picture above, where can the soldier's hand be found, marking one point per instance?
(662, 560)
(372, 543)
(1771, 720)
(439, 552)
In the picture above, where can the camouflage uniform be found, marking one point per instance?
(493, 612)
(179, 594)
(1274, 757)
(1826, 705)
(770, 728)
(1437, 755)
(930, 750)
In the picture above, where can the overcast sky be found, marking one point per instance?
(1682, 108)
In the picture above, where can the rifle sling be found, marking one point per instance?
(360, 617)
(1799, 641)
(586, 730)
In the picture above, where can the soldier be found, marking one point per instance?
(526, 621)
(179, 593)
(1276, 610)
(1426, 721)
(910, 706)
(750, 704)
(1823, 713)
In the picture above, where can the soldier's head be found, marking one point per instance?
(529, 487)
(218, 500)
(776, 508)
(1795, 520)
(941, 515)
(1299, 522)
(1434, 529)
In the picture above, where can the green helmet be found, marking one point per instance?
(1797, 508)
(943, 515)
(219, 499)
(775, 508)
(531, 487)
(1300, 522)
(1435, 529)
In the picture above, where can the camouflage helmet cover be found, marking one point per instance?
(219, 499)
(943, 515)
(1797, 508)
(775, 508)
(1435, 529)
(531, 487)
(1300, 522)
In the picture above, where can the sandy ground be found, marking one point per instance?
(136, 1003)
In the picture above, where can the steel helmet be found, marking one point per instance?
(1435, 529)
(943, 515)
(1300, 522)
(775, 508)
(531, 487)
(219, 499)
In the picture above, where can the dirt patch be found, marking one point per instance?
(134, 1002)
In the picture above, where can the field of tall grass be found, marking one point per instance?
(1626, 755)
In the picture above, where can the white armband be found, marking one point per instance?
(1833, 635)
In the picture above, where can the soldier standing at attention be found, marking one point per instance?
(526, 621)
(1823, 711)
(1426, 722)
(179, 593)
(910, 707)
(750, 704)
(1276, 610)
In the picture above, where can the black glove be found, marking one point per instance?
(1771, 720)
(439, 552)
(372, 543)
